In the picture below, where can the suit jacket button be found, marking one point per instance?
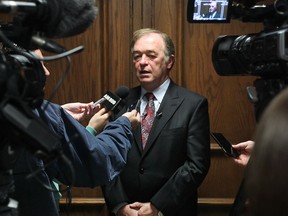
(141, 170)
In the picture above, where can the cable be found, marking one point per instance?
(16, 49)
(61, 80)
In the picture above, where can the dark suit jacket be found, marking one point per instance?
(216, 16)
(176, 158)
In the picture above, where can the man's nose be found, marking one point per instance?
(144, 59)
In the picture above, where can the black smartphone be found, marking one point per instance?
(225, 145)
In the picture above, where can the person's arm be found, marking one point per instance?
(245, 150)
(105, 155)
(96, 159)
(81, 111)
(98, 121)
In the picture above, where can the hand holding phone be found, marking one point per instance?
(225, 145)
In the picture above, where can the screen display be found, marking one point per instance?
(207, 11)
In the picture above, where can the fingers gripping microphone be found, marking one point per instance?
(114, 102)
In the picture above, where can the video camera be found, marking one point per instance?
(22, 79)
(263, 54)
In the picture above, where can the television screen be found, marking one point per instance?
(209, 11)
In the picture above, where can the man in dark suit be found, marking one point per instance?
(162, 177)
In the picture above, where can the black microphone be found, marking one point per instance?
(114, 102)
(54, 18)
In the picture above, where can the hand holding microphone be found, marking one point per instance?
(114, 102)
(105, 106)
(99, 120)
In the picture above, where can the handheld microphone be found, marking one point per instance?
(114, 102)
(54, 18)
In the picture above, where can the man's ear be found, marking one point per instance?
(170, 62)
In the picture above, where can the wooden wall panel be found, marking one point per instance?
(118, 33)
(88, 78)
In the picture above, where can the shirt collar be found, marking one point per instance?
(158, 92)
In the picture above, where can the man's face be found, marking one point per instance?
(149, 61)
(212, 7)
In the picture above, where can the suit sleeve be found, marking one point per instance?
(114, 194)
(190, 175)
(96, 160)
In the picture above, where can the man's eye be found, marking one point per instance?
(137, 57)
(151, 56)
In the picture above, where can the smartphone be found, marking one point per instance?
(225, 145)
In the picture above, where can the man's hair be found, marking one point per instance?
(169, 48)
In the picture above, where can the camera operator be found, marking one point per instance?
(95, 159)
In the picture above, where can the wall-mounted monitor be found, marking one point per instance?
(209, 11)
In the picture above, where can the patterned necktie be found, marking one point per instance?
(147, 118)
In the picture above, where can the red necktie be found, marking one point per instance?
(147, 118)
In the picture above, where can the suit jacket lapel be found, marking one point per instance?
(131, 101)
(168, 107)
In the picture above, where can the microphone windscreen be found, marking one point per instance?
(76, 17)
(122, 92)
(45, 19)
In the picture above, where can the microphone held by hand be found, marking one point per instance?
(114, 102)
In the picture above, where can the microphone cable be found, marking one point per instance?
(60, 81)
(16, 49)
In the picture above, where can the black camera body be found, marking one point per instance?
(22, 77)
(264, 54)
(261, 54)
